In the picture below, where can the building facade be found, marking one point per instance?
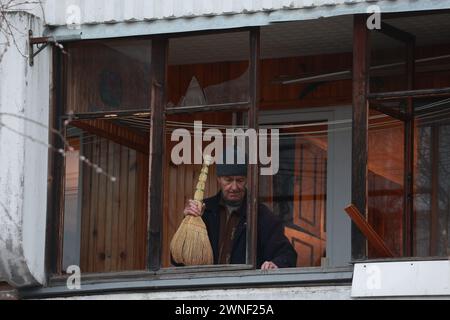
(91, 93)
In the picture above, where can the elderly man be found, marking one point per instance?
(225, 218)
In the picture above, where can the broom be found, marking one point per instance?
(190, 245)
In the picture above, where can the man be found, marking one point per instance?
(225, 218)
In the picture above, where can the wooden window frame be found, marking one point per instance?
(157, 112)
(362, 100)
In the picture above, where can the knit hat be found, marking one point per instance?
(233, 167)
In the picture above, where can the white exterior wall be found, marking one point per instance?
(24, 92)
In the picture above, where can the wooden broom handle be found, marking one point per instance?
(366, 229)
(200, 189)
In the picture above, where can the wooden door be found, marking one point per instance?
(310, 187)
(309, 201)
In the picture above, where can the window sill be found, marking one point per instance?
(166, 281)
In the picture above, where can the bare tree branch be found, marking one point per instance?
(8, 29)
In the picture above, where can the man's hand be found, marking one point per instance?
(193, 209)
(269, 265)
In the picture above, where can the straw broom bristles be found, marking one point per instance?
(190, 245)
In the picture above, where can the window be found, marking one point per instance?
(313, 183)
(122, 203)
(431, 179)
(209, 88)
(407, 159)
(112, 109)
(386, 180)
(181, 179)
(105, 119)
(123, 194)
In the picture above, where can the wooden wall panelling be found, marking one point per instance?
(109, 208)
(170, 223)
(131, 210)
(275, 96)
(93, 236)
(116, 204)
(100, 196)
(141, 199)
(114, 213)
(123, 208)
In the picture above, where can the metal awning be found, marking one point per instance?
(119, 18)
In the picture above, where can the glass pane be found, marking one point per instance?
(297, 194)
(106, 183)
(108, 76)
(432, 178)
(208, 70)
(385, 180)
(182, 171)
(72, 222)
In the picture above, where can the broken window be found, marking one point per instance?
(209, 70)
(208, 93)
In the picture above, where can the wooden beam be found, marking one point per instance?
(110, 131)
(252, 198)
(361, 55)
(225, 107)
(157, 146)
(108, 115)
(423, 93)
(395, 33)
(378, 71)
(366, 229)
(389, 111)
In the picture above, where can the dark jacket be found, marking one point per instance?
(272, 243)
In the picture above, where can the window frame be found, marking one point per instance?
(335, 248)
(158, 111)
(361, 98)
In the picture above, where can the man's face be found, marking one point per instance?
(233, 187)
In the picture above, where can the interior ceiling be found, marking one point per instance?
(311, 37)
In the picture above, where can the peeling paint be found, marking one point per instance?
(262, 294)
(21, 245)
